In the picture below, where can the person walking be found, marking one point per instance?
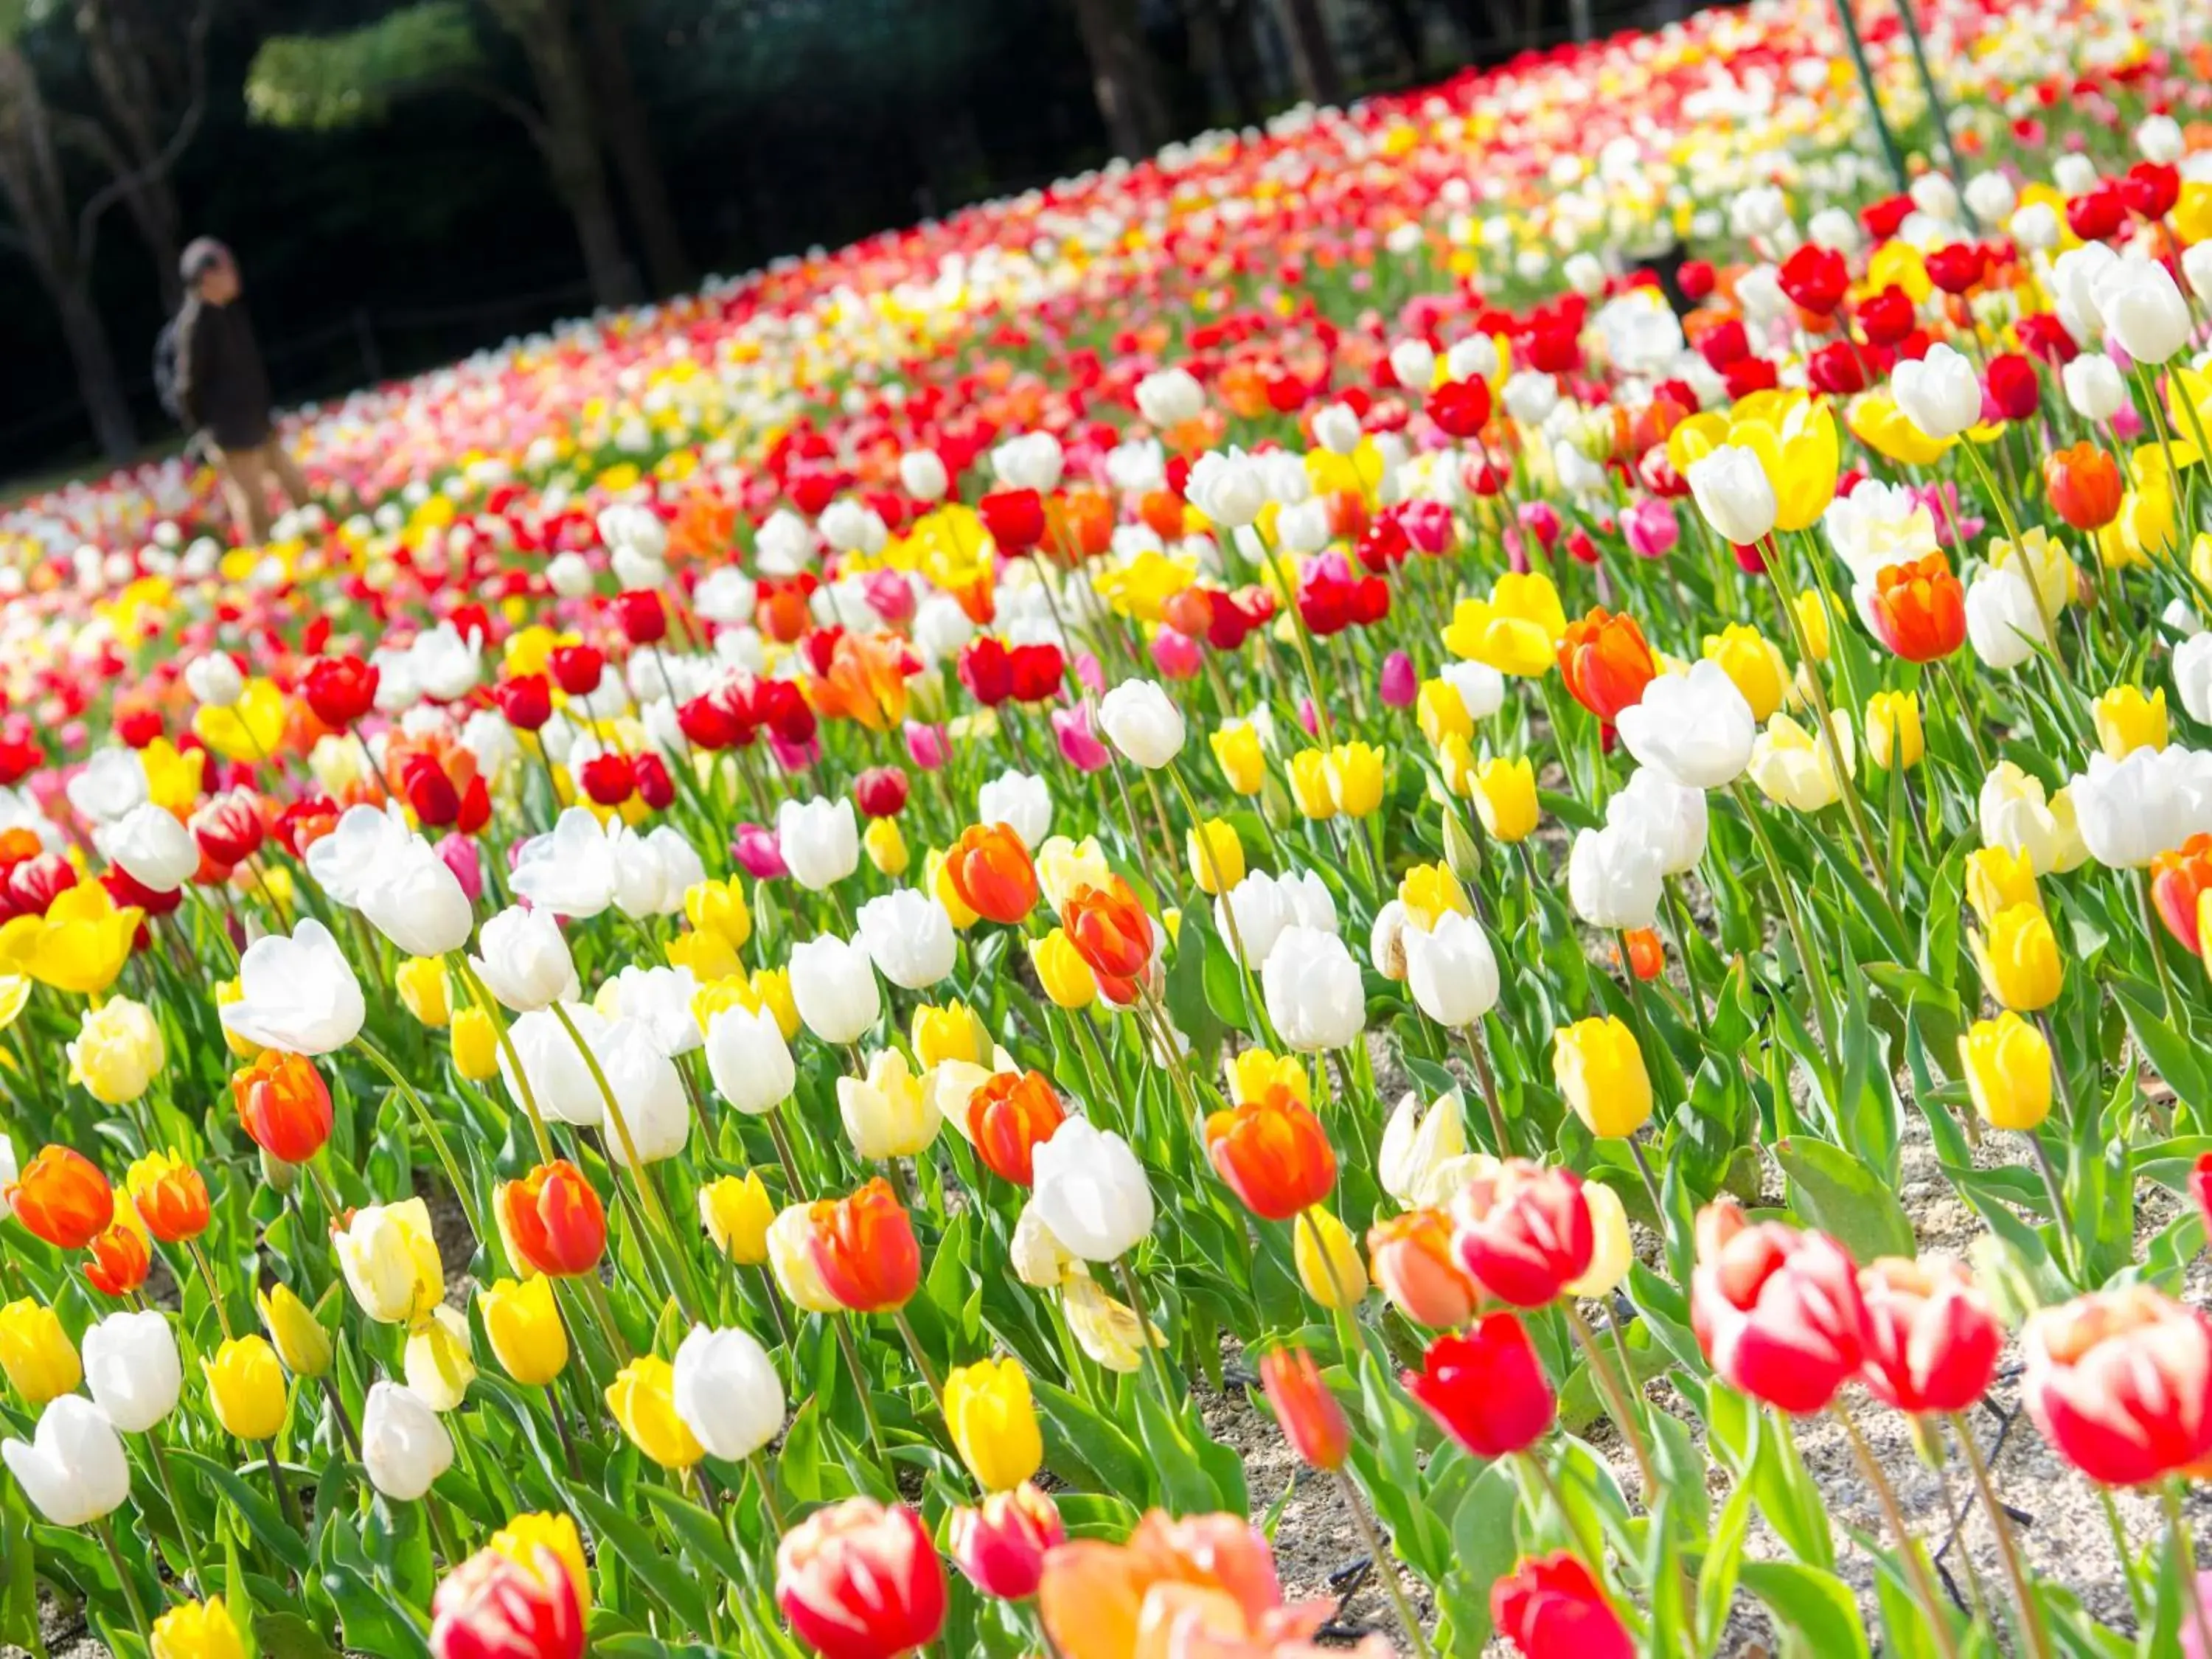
(222, 390)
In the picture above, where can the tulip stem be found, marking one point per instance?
(1204, 843)
(1966, 714)
(767, 1484)
(1488, 1085)
(2152, 927)
(561, 1428)
(1650, 1182)
(602, 1310)
(215, 1291)
(1617, 1398)
(462, 1194)
(106, 1530)
(839, 1325)
(774, 1308)
(459, 963)
(1385, 1566)
(2034, 1637)
(1808, 963)
(920, 1357)
(285, 1496)
(346, 1435)
(169, 1491)
(441, 1530)
(1156, 1366)
(1678, 924)
(2061, 1220)
(1916, 1566)
(2169, 1492)
(679, 1275)
(1592, 1554)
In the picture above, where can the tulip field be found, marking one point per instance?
(1431, 776)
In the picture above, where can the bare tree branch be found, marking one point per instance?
(88, 216)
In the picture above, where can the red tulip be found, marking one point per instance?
(284, 1104)
(62, 1196)
(119, 1262)
(527, 701)
(1549, 1608)
(2085, 485)
(1931, 1340)
(2200, 1188)
(655, 787)
(2013, 385)
(1037, 671)
(2151, 189)
(1814, 278)
(2098, 213)
(492, 1607)
(880, 792)
(1311, 1419)
(1001, 1547)
(340, 689)
(2120, 1382)
(1836, 368)
(864, 1249)
(1886, 317)
(228, 828)
(577, 668)
(987, 669)
(1523, 1233)
(644, 619)
(610, 778)
(1460, 408)
(552, 1220)
(1957, 268)
(1777, 1310)
(1605, 662)
(1486, 1388)
(860, 1580)
(1015, 519)
(1009, 1117)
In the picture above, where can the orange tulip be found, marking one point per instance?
(2177, 879)
(1273, 1154)
(1606, 663)
(2085, 485)
(865, 1249)
(119, 1262)
(1109, 930)
(990, 870)
(865, 681)
(1080, 524)
(1311, 1419)
(170, 1197)
(1410, 1256)
(553, 1221)
(1009, 1118)
(1647, 955)
(1919, 609)
(62, 1198)
(284, 1104)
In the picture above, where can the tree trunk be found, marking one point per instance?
(1122, 77)
(105, 403)
(630, 142)
(567, 133)
(1405, 33)
(1314, 54)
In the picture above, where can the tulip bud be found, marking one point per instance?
(301, 1342)
(1328, 1261)
(476, 1045)
(198, 1629)
(1001, 1547)
(522, 1322)
(1060, 969)
(72, 1468)
(1600, 1072)
(736, 1212)
(38, 1359)
(726, 1393)
(2019, 959)
(641, 1399)
(403, 1446)
(993, 1423)
(420, 982)
(438, 1363)
(132, 1369)
(1309, 1416)
(2007, 1067)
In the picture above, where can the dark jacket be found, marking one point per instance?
(221, 382)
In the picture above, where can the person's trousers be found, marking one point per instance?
(246, 475)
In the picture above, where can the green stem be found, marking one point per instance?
(462, 1192)
(1386, 1567)
(1156, 1366)
(2034, 1636)
(2184, 1560)
(106, 1530)
(1916, 1566)
(169, 1491)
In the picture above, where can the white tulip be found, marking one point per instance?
(2129, 811)
(2003, 622)
(910, 938)
(72, 1468)
(2094, 389)
(2192, 677)
(570, 871)
(1031, 461)
(1090, 1191)
(1313, 992)
(1415, 1143)
(1672, 819)
(1614, 877)
(1336, 429)
(152, 848)
(214, 680)
(1022, 803)
(835, 987)
(559, 1081)
(2035, 228)
(343, 861)
(2144, 310)
(297, 993)
(2013, 814)
(1939, 393)
(1252, 915)
(403, 1446)
(1734, 493)
(132, 1369)
(1991, 197)
(1475, 357)
(525, 963)
(1228, 487)
(749, 1061)
(922, 475)
(415, 900)
(1143, 722)
(820, 841)
(2196, 266)
(1451, 970)
(1695, 728)
(727, 1392)
(1481, 688)
(659, 1000)
(1414, 363)
(1169, 397)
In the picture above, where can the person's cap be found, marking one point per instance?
(201, 256)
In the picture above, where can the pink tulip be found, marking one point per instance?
(1428, 526)
(928, 746)
(757, 851)
(1078, 745)
(459, 854)
(1175, 654)
(1400, 684)
(1542, 518)
(794, 757)
(1651, 528)
(891, 596)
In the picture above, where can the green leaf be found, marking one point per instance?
(1186, 1485)
(698, 1532)
(262, 1518)
(656, 1571)
(1716, 1575)
(322, 81)
(287, 1636)
(1815, 1605)
(1095, 1439)
(1836, 1192)
(1484, 1550)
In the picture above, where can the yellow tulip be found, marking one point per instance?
(1813, 617)
(301, 1342)
(2128, 720)
(420, 982)
(1997, 879)
(1237, 752)
(994, 1422)
(1310, 784)
(1060, 969)
(937, 878)
(2019, 959)
(521, 1538)
(438, 1364)
(1065, 866)
(1504, 791)
(948, 1032)
(791, 1259)
(1457, 766)
(1356, 774)
(198, 1629)
(1893, 732)
(2007, 1067)
(80, 945)
(2147, 524)
(736, 1212)
(709, 956)
(1217, 857)
(1517, 630)
(719, 908)
(1328, 1260)
(36, 1353)
(2191, 217)
(1876, 420)
(228, 991)
(476, 1045)
(522, 1323)
(1253, 1071)
(885, 1114)
(642, 1398)
(1602, 1075)
(772, 988)
(116, 1052)
(390, 1259)
(249, 729)
(1612, 1252)
(1428, 892)
(245, 1386)
(1108, 1331)
(1441, 711)
(1795, 438)
(1750, 661)
(885, 846)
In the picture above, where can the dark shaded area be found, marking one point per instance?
(778, 126)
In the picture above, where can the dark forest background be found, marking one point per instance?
(405, 183)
